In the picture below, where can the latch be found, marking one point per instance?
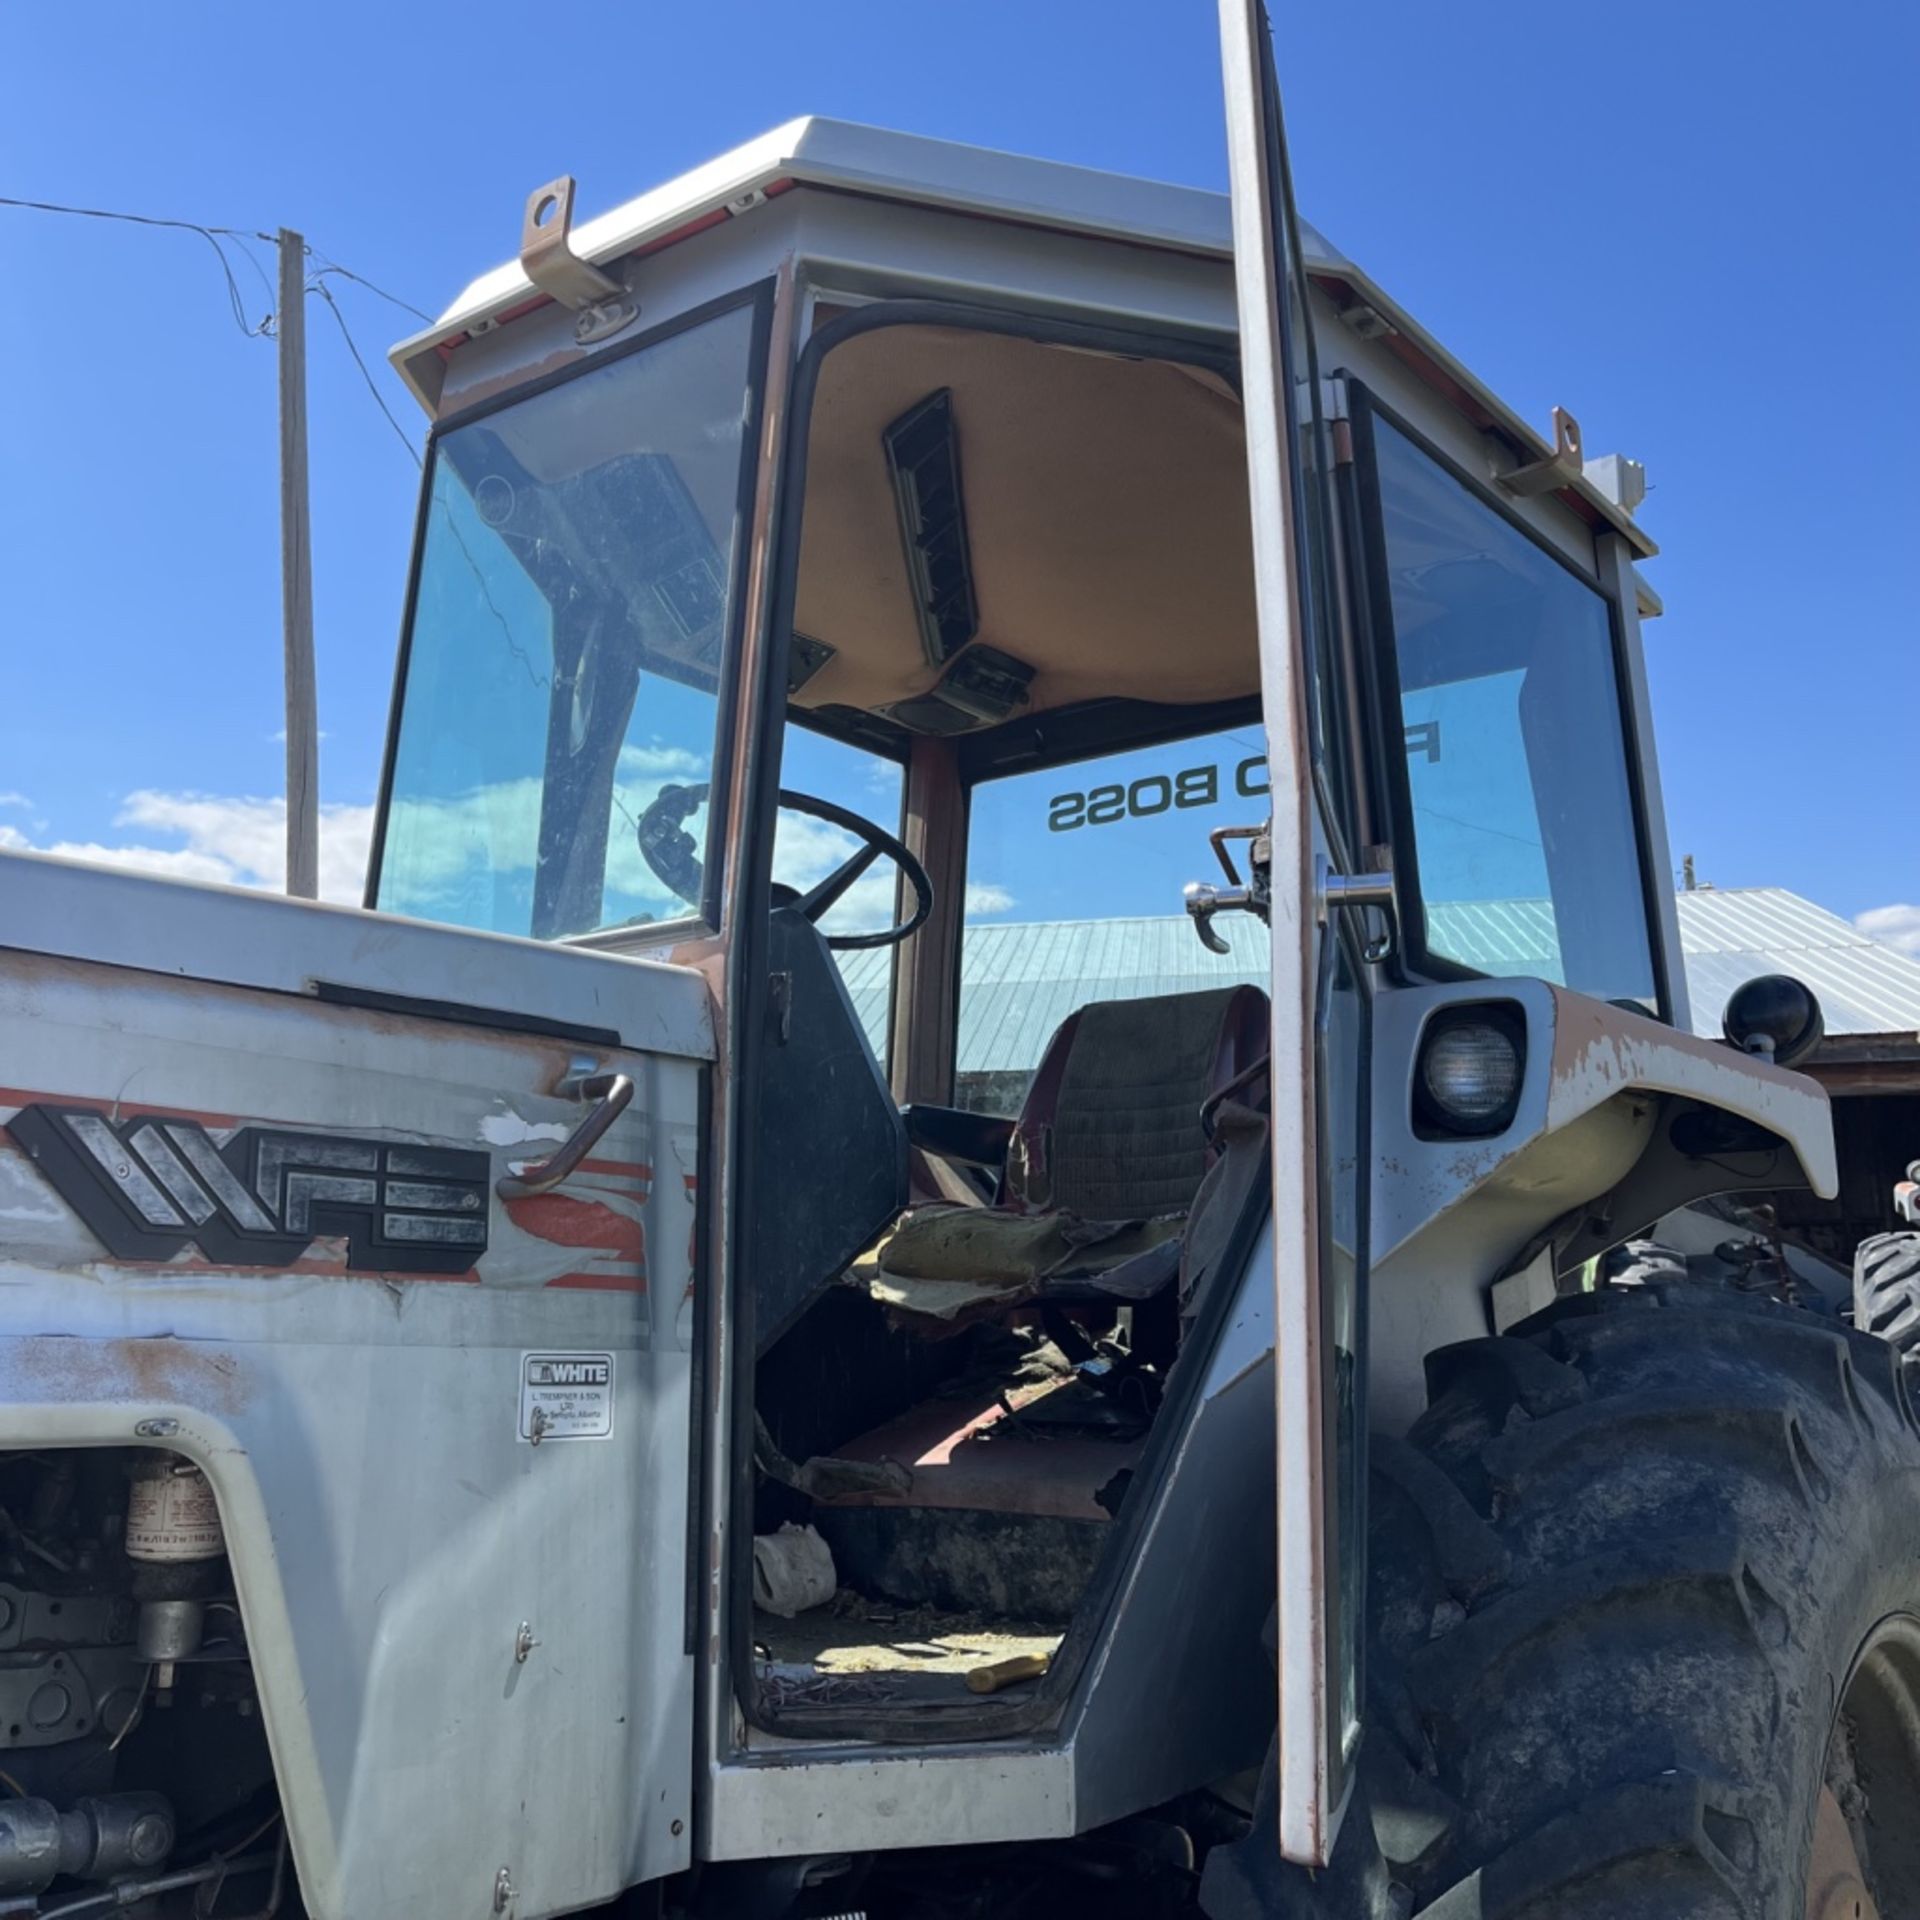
(1254, 895)
(602, 305)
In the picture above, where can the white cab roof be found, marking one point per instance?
(869, 161)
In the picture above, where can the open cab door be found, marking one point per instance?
(1321, 1153)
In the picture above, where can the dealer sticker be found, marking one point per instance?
(566, 1396)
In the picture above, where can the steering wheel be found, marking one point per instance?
(671, 851)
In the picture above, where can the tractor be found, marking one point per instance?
(946, 1242)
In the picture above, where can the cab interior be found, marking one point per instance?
(976, 1296)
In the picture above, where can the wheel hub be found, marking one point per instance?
(1835, 1888)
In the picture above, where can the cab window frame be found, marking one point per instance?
(1390, 790)
(707, 917)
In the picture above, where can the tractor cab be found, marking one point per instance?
(1019, 891)
(842, 573)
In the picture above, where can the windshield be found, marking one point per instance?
(1523, 831)
(565, 647)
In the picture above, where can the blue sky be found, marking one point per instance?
(1691, 225)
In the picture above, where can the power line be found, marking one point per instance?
(237, 237)
(540, 681)
(211, 235)
(360, 280)
(379, 399)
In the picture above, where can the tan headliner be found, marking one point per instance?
(1106, 507)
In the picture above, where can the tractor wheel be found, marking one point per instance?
(1886, 1288)
(1645, 1629)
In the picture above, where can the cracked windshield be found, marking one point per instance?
(566, 648)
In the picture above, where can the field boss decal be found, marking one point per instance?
(151, 1185)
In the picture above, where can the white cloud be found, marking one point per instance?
(235, 841)
(11, 799)
(452, 854)
(658, 762)
(453, 857)
(806, 850)
(984, 897)
(1895, 927)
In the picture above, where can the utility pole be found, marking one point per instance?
(296, 578)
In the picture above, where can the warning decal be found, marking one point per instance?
(566, 1396)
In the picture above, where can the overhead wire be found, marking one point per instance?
(379, 399)
(360, 280)
(211, 235)
(324, 267)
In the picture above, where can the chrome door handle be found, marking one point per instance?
(613, 1091)
(1349, 892)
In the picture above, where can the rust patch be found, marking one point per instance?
(159, 1368)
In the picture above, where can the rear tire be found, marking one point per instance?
(1624, 1572)
(1886, 1289)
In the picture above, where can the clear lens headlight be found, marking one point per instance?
(1470, 1074)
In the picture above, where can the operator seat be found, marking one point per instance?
(1095, 1178)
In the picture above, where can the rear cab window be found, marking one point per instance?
(1074, 894)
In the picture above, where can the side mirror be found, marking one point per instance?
(1774, 1017)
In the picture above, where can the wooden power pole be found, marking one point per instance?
(296, 578)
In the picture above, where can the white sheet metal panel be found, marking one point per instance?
(389, 1527)
(815, 1800)
(243, 937)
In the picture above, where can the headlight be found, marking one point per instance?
(1468, 1076)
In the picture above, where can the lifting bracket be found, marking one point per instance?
(1561, 468)
(602, 305)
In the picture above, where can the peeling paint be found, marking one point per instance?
(1600, 1051)
(510, 1130)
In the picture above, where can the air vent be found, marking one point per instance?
(923, 457)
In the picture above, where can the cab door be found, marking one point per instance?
(1321, 1018)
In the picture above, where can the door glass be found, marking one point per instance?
(1341, 1069)
(1074, 882)
(565, 648)
(1524, 835)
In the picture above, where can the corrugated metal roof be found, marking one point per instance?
(1730, 934)
(1023, 979)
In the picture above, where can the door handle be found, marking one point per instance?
(1350, 892)
(612, 1092)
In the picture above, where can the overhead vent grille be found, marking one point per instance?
(923, 456)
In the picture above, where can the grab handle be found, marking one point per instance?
(612, 1091)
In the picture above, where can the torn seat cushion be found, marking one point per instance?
(1109, 1151)
(950, 1264)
